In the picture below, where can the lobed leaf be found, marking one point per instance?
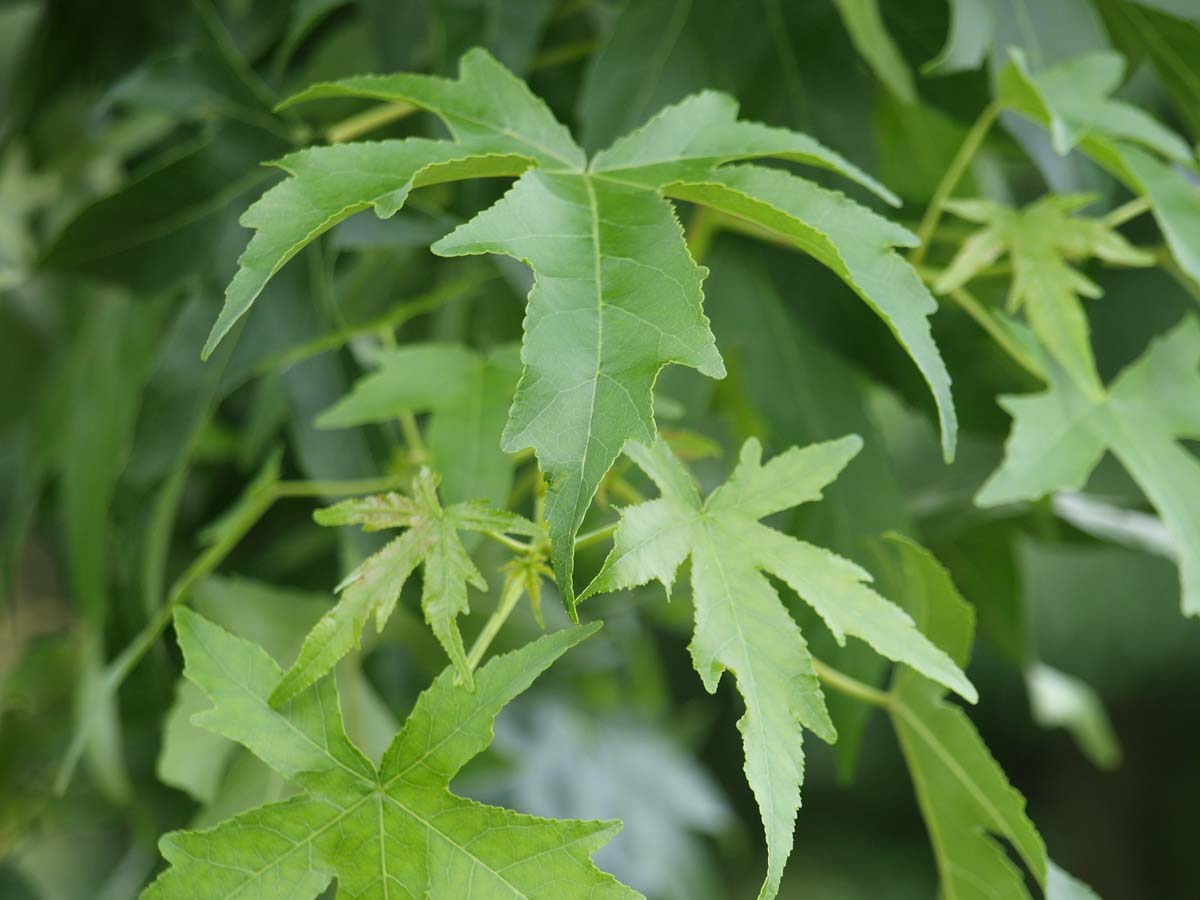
(430, 541)
(396, 830)
(1059, 436)
(742, 625)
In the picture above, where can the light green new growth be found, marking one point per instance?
(1072, 101)
(616, 296)
(431, 540)
(1042, 241)
(742, 624)
(1059, 436)
(382, 832)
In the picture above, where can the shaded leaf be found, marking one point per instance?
(1059, 435)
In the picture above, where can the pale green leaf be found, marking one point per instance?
(387, 832)
(964, 795)
(741, 623)
(970, 37)
(1059, 436)
(430, 541)
(1042, 241)
(854, 242)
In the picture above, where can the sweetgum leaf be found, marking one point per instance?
(741, 623)
(1059, 436)
(431, 541)
(1042, 241)
(392, 830)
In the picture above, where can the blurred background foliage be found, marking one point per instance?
(131, 137)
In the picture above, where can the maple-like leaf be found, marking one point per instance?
(616, 295)
(967, 801)
(395, 830)
(742, 624)
(1043, 241)
(1059, 436)
(467, 395)
(430, 540)
(1072, 101)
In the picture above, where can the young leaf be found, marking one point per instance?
(741, 623)
(965, 797)
(1043, 240)
(395, 830)
(1071, 100)
(1059, 436)
(468, 395)
(431, 540)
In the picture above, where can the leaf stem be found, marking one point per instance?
(511, 543)
(509, 598)
(596, 536)
(958, 167)
(359, 124)
(340, 488)
(1126, 211)
(850, 686)
(979, 313)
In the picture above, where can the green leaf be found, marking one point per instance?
(1042, 241)
(1059, 436)
(1072, 101)
(964, 796)
(741, 623)
(395, 829)
(616, 295)
(594, 339)
(854, 242)
(864, 21)
(469, 396)
(431, 540)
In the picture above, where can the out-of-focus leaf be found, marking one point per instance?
(1061, 701)
(864, 21)
(1042, 241)
(1072, 101)
(741, 623)
(469, 396)
(1059, 436)
(967, 801)
(395, 825)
